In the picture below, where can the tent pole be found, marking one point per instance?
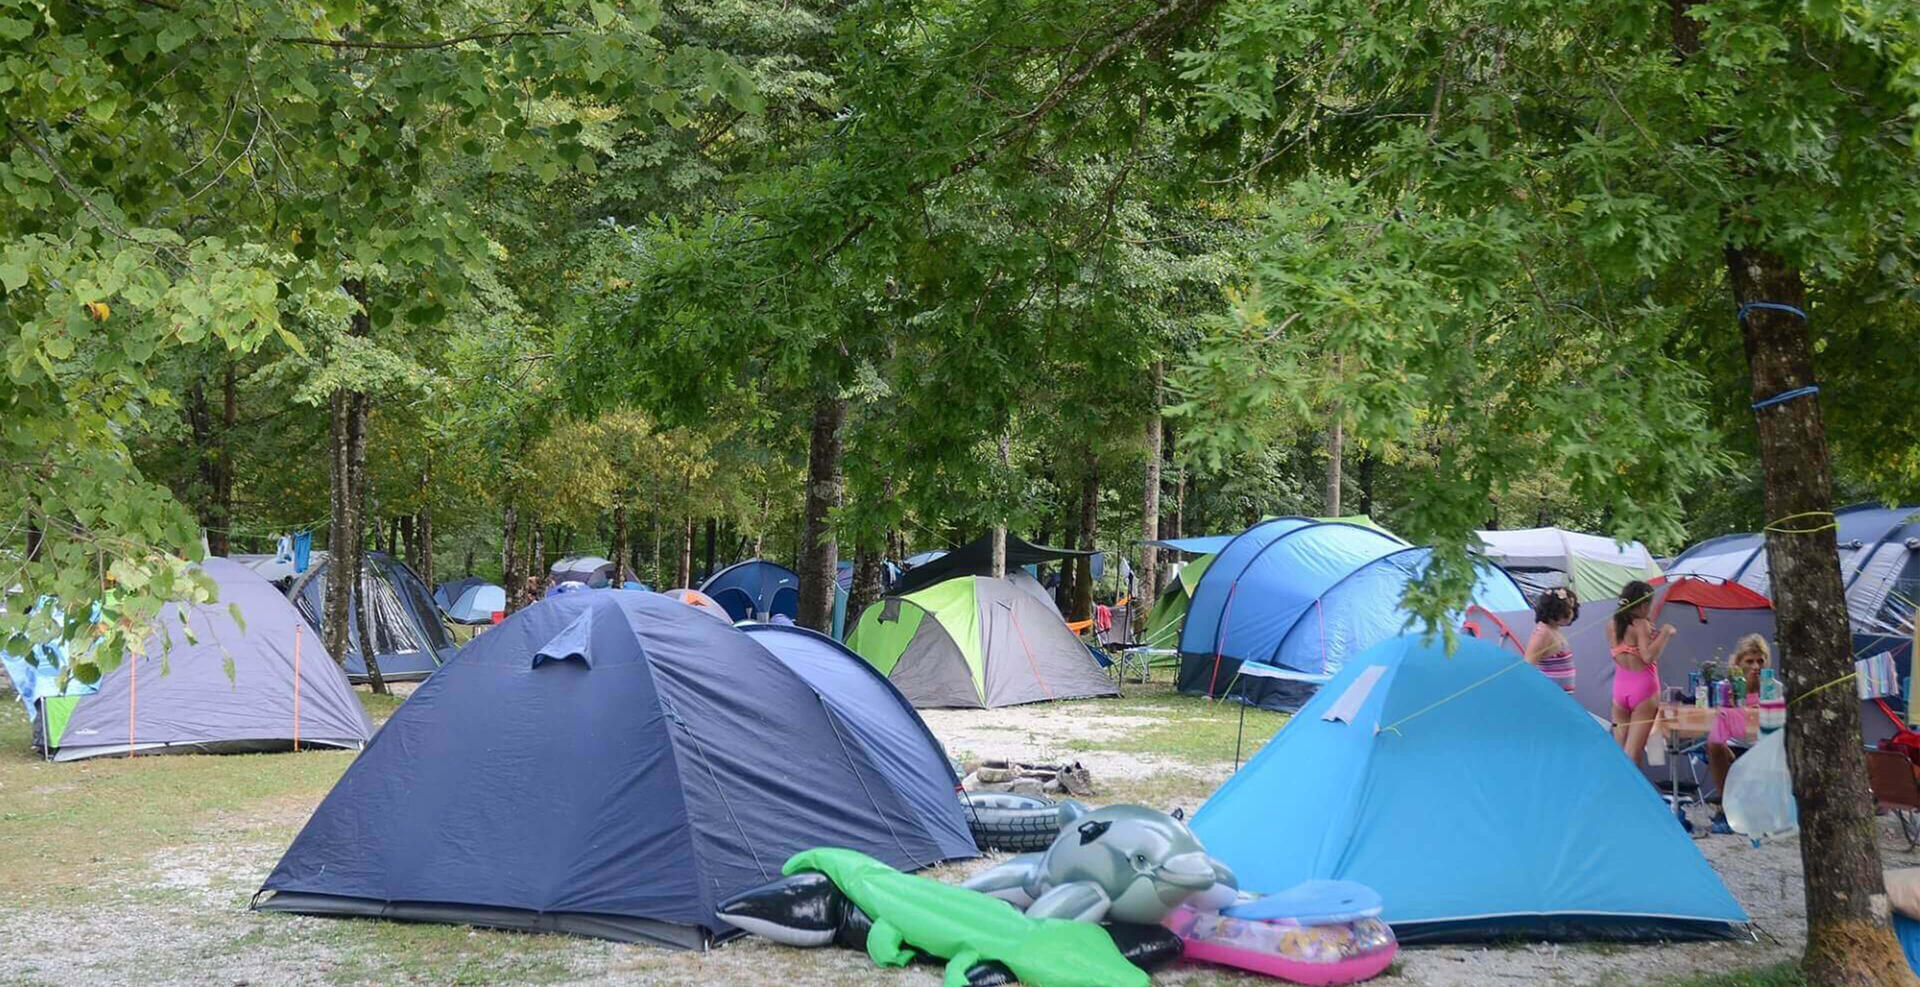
(1239, 735)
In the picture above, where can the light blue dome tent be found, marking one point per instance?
(1476, 798)
(1287, 602)
(471, 600)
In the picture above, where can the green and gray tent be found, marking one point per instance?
(977, 641)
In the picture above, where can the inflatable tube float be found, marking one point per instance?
(1013, 823)
(1318, 933)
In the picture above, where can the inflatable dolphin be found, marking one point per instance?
(1123, 863)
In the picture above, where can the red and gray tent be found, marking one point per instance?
(264, 684)
(615, 764)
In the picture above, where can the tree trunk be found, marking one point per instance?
(713, 533)
(423, 524)
(819, 552)
(409, 547)
(683, 574)
(1089, 529)
(510, 559)
(868, 582)
(1180, 484)
(657, 574)
(1849, 938)
(209, 441)
(1366, 481)
(537, 556)
(1063, 594)
(468, 569)
(1149, 575)
(1336, 442)
(346, 535)
(619, 545)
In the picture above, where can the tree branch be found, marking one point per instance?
(419, 45)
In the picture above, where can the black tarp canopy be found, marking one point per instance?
(975, 558)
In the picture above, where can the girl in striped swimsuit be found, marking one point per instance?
(1547, 649)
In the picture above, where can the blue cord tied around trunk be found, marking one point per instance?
(1784, 396)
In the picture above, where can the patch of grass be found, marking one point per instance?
(397, 952)
(67, 824)
(378, 707)
(1165, 790)
(1188, 728)
(1783, 975)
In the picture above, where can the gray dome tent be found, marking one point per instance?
(409, 639)
(264, 686)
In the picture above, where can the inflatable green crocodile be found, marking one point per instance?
(965, 927)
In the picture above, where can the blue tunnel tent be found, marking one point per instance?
(615, 764)
(1879, 565)
(1475, 798)
(409, 639)
(1289, 600)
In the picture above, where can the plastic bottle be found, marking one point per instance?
(1740, 690)
(1693, 687)
(1773, 708)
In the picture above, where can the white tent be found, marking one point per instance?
(1595, 566)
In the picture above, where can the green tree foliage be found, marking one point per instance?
(178, 174)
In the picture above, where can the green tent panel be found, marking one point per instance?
(1170, 610)
(57, 712)
(976, 641)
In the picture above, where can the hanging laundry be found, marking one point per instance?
(1877, 676)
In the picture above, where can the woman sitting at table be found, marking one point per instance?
(1636, 649)
(1750, 657)
(1547, 649)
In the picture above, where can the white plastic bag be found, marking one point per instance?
(1759, 796)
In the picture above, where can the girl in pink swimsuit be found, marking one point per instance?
(1636, 649)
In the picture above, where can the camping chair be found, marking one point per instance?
(1890, 776)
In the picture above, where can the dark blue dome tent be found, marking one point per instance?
(409, 639)
(760, 590)
(615, 764)
(1879, 565)
(1288, 601)
(755, 590)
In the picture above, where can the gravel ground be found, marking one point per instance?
(178, 916)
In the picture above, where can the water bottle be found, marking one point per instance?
(1739, 690)
(1693, 688)
(1773, 709)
